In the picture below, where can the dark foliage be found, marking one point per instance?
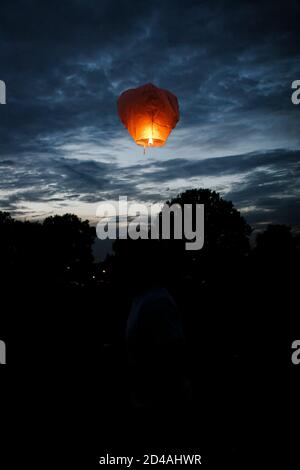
(232, 299)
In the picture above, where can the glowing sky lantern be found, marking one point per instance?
(149, 113)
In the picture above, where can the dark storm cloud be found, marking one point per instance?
(65, 62)
(279, 160)
(231, 65)
(46, 179)
(267, 188)
(267, 192)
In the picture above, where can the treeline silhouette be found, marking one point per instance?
(57, 255)
(59, 250)
(233, 295)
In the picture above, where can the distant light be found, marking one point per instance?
(104, 271)
(94, 277)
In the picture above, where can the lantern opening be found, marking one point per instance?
(150, 142)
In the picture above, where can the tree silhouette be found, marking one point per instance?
(59, 249)
(7, 245)
(276, 241)
(225, 230)
(68, 247)
(143, 263)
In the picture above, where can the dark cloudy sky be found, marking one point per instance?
(231, 64)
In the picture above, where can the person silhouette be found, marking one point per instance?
(155, 344)
(154, 334)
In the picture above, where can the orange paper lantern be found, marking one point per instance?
(149, 113)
